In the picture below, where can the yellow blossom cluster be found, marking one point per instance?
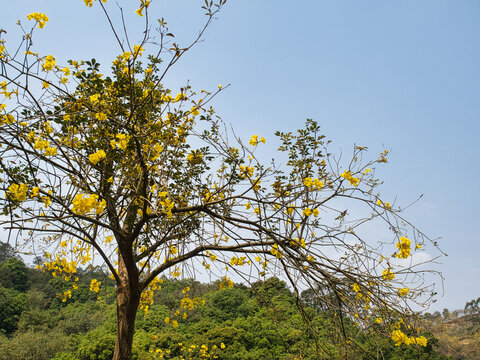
(3, 85)
(120, 141)
(246, 171)
(17, 192)
(234, 261)
(146, 298)
(403, 291)
(403, 248)
(83, 204)
(309, 212)
(41, 18)
(89, 3)
(60, 266)
(101, 116)
(97, 156)
(189, 304)
(254, 140)
(49, 63)
(316, 184)
(43, 145)
(347, 175)
(400, 338)
(387, 274)
(274, 251)
(387, 204)
(297, 242)
(167, 204)
(195, 157)
(95, 285)
(143, 5)
(65, 295)
(226, 282)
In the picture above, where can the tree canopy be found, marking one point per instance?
(112, 166)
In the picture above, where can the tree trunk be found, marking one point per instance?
(127, 305)
(128, 299)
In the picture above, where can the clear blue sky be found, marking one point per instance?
(404, 75)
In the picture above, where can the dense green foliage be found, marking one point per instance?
(261, 321)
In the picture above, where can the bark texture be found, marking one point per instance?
(128, 299)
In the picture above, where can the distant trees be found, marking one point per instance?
(13, 274)
(473, 306)
(6, 251)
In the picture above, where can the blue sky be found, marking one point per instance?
(401, 75)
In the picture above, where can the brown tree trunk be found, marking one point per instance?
(128, 299)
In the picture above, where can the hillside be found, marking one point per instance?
(258, 321)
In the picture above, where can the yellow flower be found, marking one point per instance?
(120, 142)
(400, 338)
(101, 116)
(387, 274)
(356, 287)
(94, 98)
(290, 210)
(246, 171)
(89, 3)
(275, 251)
(137, 50)
(403, 248)
(143, 4)
(308, 181)
(195, 158)
(226, 282)
(404, 291)
(83, 204)
(17, 192)
(35, 191)
(347, 175)
(41, 18)
(254, 140)
(96, 157)
(95, 285)
(421, 340)
(194, 111)
(50, 151)
(49, 63)
(307, 211)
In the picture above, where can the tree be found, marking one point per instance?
(6, 251)
(13, 274)
(12, 303)
(120, 170)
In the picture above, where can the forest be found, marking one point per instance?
(256, 321)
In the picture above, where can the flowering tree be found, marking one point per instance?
(119, 169)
